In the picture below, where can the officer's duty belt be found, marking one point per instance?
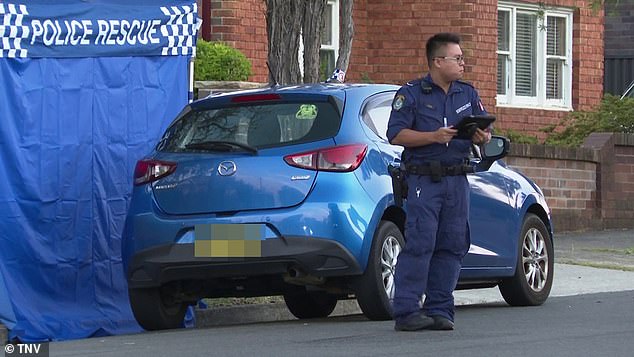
(454, 170)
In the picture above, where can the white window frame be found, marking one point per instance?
(334, 29)
(539, 101)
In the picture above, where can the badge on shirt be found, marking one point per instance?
(398, 102)
(463, 108)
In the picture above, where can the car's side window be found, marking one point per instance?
(376, 113)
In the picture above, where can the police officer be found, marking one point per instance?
(437, 230)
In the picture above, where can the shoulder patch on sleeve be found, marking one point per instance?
(481, 106)
(398, 102)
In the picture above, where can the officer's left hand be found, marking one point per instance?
(481, 137)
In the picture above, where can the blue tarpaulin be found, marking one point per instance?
(76, 116)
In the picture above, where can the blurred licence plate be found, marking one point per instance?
(228, 240)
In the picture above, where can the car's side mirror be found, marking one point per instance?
(495, 149)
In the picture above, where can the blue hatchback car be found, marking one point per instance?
(286, 191)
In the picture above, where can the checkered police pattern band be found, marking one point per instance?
(180, 30)
(12, 30)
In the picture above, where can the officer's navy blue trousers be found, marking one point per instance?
(437, 239)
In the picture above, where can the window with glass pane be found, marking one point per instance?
(504, 29)
(555, 46)
(534, 54)
(554, 70)
(502, 73)
(326, 63)
(329, 40)
(556, 36)
(525, 54)
(503, 50)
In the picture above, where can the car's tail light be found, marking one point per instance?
(342, 158)
(147, 171)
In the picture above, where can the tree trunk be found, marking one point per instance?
(312, 29)
(284, 20)
(346, 35)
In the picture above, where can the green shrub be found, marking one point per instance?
(219, 62)
(519, 138)
(613, 115)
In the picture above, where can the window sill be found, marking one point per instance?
(534, 107)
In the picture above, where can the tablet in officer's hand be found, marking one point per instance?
(468, 125)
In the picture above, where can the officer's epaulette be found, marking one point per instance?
(467, 83)
(414, 82)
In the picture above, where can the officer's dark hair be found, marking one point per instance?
(438, 41)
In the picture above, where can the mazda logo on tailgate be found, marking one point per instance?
(227, 168)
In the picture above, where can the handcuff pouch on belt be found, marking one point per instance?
(435, 171)
(399, 184)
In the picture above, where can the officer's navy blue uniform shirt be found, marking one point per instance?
(422, 105)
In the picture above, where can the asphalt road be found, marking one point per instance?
(582, 325)
(589, 313)
(582, 252)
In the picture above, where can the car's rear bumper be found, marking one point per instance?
(173, 262)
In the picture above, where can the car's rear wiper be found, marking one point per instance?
(222, 146)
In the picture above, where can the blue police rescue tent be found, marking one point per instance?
(86, 89)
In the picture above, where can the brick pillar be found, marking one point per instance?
(604, 144)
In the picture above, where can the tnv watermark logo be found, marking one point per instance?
(26, 349)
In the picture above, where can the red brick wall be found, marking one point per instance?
(242, 25)
(361, 67)
(619, 202)
(394, 42)
(397, 32)
(567, 184)
(587, 188)
(389, 47)
(587, 54)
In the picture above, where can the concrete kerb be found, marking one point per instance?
(243, 314)
(255, 313)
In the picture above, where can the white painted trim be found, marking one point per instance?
(539, 101)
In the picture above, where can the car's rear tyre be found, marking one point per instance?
(305, 304)
(156, 311)
(533, 277)
(375, 288)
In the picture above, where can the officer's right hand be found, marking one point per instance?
(444, 134)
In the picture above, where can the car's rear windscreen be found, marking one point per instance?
(261, 125)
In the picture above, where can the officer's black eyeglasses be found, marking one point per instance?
(455, 58)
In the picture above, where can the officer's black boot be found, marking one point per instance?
(441, 323)
(413, 322)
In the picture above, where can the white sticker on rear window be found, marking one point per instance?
(306, 112)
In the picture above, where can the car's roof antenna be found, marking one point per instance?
(272, 80)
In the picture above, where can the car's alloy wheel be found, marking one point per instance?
(305, 304)
(155, 310)
(389, 255)
(375, 288)
(533, 277)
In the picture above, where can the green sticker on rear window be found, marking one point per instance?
(306, 111)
